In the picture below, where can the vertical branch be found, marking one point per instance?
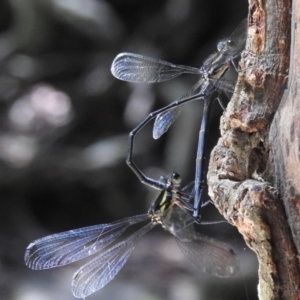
(247, 165)
(285, 133)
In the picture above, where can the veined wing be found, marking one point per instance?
(143, 69)
(235, 43)
(211, 256)
(164, 120)
(104, 267)
(69, 246)
(226, 86)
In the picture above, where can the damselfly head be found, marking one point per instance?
(226, 45)
(171, 180)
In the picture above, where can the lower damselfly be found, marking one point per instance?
(170, 210)
(143, 69)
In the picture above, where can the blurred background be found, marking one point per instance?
(63, 138)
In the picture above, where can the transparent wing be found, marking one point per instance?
(164, 120)
(235, 43)
(143, 69)
(226, 86)
(238, 37)
(69, 246)
(209, 255)
(104, 267)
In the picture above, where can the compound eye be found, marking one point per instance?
(230, 43)
(176, 178)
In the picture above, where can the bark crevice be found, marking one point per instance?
(253, 171)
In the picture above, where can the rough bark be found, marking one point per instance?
(253, 173)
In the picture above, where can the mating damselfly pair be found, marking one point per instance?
(175, 209)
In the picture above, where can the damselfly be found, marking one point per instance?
(169, 210)
(142, 69)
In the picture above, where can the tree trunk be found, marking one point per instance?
(254, 170)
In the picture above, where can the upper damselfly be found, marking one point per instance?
(169, 210)
(142, 69)
(138, 68)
